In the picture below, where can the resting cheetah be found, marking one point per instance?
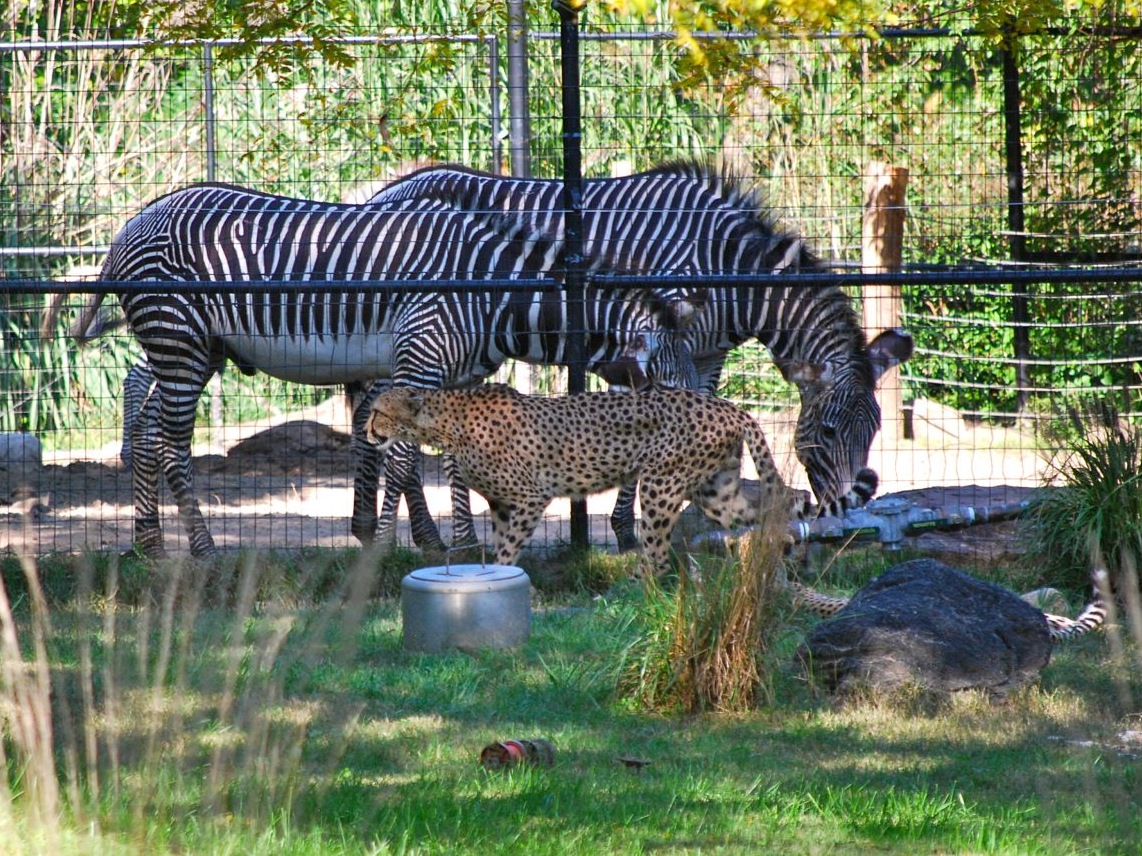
(520, 452)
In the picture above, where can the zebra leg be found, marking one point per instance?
(367, 460)
(463, 527)
(177, 420)
(148, 536)
(136, 387)
(402, 475)
(622, 518)
(366, 472)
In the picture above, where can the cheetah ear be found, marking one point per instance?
(411, 401)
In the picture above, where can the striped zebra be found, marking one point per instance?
(387, 312)
(696, 220)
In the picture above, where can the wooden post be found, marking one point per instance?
(882, 237)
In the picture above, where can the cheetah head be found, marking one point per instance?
(393, 416)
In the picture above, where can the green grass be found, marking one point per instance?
(265, 705)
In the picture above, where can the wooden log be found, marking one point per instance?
(882, 238)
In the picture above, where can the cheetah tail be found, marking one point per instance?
(1092, 617)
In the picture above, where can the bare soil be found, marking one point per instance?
(289, 485)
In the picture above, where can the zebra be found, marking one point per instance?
(698, 220)
(381, 319)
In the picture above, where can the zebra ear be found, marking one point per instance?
(890, 348)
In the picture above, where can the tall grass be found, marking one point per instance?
(703, 645)
(265, 705)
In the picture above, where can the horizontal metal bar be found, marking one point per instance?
(129, 44)
(1004, 276)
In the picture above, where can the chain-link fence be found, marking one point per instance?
(1016, 265)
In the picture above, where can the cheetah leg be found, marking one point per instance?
(722, 499)
(661, 502)
(511, 527)
(622, 519)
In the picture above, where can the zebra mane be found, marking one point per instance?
(738, 194)
(777, 249)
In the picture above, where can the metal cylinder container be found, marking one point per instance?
(465, 607)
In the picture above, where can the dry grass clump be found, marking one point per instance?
(703, 644)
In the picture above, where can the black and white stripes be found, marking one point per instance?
(391, 326)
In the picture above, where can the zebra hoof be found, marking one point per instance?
(368, 535)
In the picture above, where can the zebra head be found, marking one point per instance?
(840, 416)
(679, 306)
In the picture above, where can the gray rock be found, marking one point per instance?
(21, 463)
(925, 624)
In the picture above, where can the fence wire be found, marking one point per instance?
(1012, 326)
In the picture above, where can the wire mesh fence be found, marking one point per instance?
(1018, 272)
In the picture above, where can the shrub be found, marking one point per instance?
(1095, 515)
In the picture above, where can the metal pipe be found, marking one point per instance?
(497, 164)
(889, 520)
(208, 106)
(1013, 148)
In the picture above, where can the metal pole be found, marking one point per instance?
(575, 282)
(519, 123)
(214, 385)
(497, 164)
(208, 109)
(1013, 140)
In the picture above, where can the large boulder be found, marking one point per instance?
(925, 624)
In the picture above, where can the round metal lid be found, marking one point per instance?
(465, 578)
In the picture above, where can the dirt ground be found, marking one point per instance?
(289, 485)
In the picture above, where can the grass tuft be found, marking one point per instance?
(702, 645)
(1095, 516)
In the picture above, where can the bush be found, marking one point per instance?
(1095, 516)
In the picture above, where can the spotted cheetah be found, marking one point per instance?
(520, 452)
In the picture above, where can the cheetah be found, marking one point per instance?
(519, 452)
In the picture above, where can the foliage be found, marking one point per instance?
(1095, 517)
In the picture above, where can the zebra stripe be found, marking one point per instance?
(388, 329)
(693, 219)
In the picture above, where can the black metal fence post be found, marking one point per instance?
(575, 282)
